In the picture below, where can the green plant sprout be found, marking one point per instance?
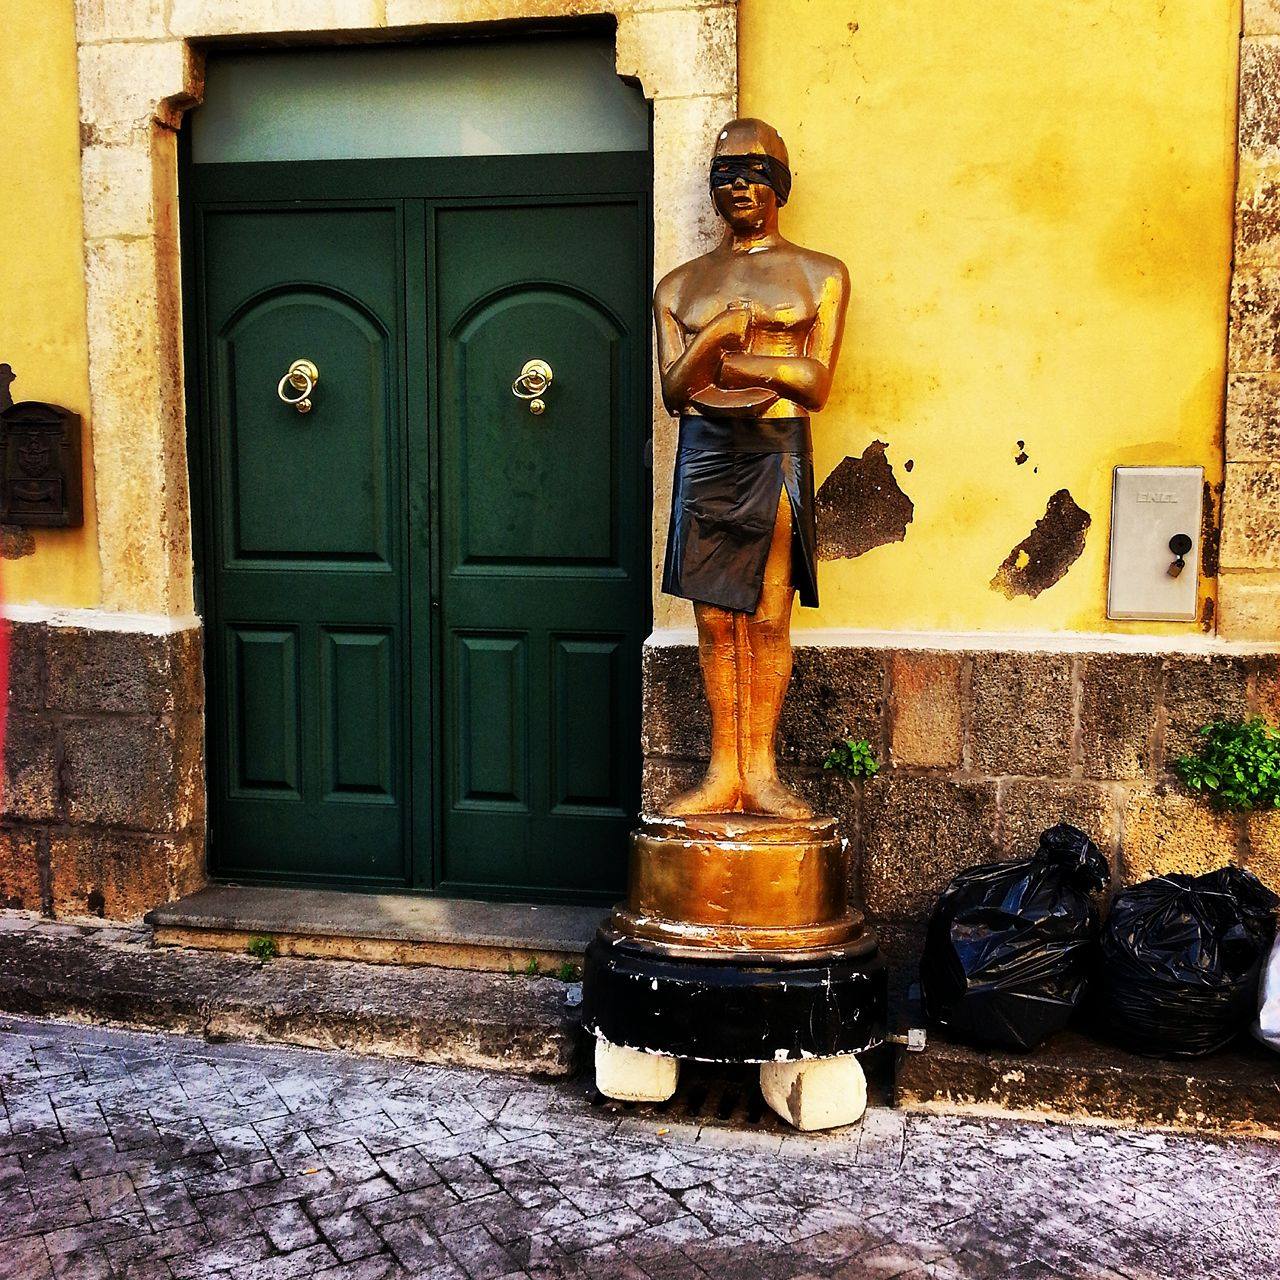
(853, 757)
(1237, 766)
(263, 948)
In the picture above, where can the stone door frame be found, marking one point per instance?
(141, 66)
(1249, 569)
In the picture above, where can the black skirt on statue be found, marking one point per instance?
(729, 476)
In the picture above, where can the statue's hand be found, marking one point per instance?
(733, 376)
(729, 329)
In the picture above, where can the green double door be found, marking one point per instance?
(424, 602)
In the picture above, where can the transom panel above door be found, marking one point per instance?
(424, 601)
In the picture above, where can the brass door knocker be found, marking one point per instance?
(532, 382)
(302, 377)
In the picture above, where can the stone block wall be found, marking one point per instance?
(981, 750)
(1249, 575)
(102, 810)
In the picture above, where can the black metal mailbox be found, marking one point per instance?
(40, 466)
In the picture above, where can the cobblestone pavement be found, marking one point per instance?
(154, 1157)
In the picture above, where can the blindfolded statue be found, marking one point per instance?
(748, 337)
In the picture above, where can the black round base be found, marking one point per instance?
(729, 1010)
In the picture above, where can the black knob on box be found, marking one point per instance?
(1179, 544)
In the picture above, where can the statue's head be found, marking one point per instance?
(750, 176)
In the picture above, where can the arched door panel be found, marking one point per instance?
(283, 464)
(520, 471)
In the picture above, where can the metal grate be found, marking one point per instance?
(722, 1096)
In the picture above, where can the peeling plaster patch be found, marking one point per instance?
(16, 542)
(860, 506)
(909, 466)
(1210, 530)
(1022, 453)
(1047, 552)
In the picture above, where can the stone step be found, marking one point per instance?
(506, 1022)
(382, 928)
(1077, 1076)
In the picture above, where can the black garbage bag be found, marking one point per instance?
(1181, 958)
(1008, 949)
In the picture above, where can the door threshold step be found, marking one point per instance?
(101, 974)
(382, 928)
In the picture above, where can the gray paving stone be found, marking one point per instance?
(286, 1266)
(84, 1237)
(26, 1256)
(173, 1159)
(466, 1177)
(233, 1255)
(408, 1168)
(381, 1267)
(148, 1247)
(350, 1236)
(351, 1161)
(478, 1254)
(425, 1202)
(416, 1249)
(81, 1264)
(287, 1225)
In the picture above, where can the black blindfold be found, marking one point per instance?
(771, 172)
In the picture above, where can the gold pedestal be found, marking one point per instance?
(741, 886)
(737, 943)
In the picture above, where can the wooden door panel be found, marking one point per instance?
(285, 462)
(490, 688)
(588, 692)
(515, 481)
(542, 542)
(359, 701)
(307, 778)
(262, 711)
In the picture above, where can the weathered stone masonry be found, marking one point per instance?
(1249, 579)
(981, 750)
(103, 807)
(103, 804)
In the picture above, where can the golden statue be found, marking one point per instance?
(748, 337)
(737, 941)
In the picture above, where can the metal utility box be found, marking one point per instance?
(1155, 543)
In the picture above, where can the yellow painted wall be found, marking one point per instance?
(1034, 198)
(42, 292)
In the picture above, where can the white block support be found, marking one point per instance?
(815, 1093)
(629, 1075)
